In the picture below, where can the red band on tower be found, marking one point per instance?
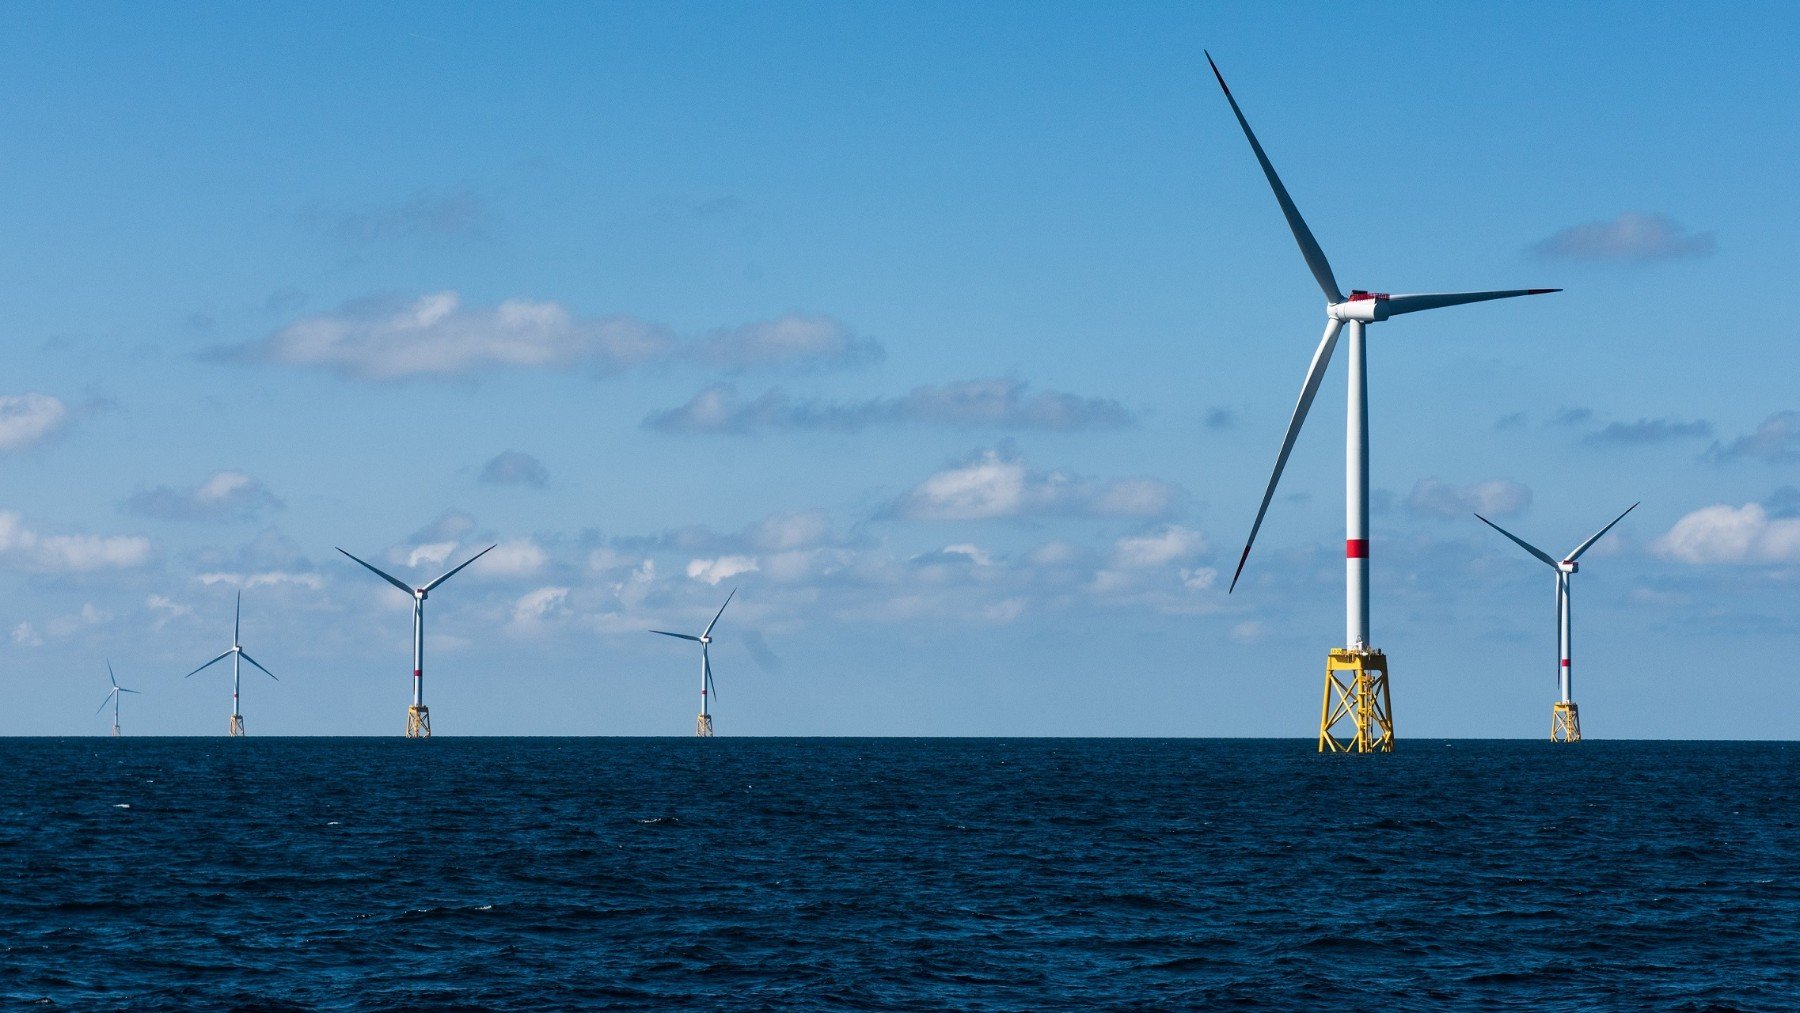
(1565, 663)
(1356, 548)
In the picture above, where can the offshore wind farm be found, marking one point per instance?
(949, 342)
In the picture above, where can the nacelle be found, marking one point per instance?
(1368, 307)
(1568, 566)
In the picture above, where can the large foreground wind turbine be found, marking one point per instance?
(418, 716)
(1565, 719)
(1356, 686)
(236, 653)
(112, 697)
(703, 724)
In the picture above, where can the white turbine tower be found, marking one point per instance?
(1356, 687)
(112, 697)
(1565, 719)
(236, 654)
(703, 725)
(418, 716)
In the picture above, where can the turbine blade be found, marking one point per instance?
(1583, 547)
(708, 631)
(208, 665)
(1315, 373)
(1309, 247)
(1398, 304)
(103, 703)
(682, 636)
(110, 677)
(124, 690)
(710, 688)
(1522, 543)
(237, 624)
(465, 562)
(246, 656)
(390, 578)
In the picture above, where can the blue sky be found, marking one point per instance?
(961, 339)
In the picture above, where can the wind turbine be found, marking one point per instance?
(112, 697)
(236, 653)
(1565, 719)
(1356, 674)
(418, 716)
(703, 725)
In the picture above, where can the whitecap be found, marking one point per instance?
(121, 805)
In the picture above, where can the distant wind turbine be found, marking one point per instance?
(418, 717)
(1565, 718)
(1361, 693)
(236, 653)
(112, 697)
(703, 725)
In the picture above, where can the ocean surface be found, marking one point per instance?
(897, 874)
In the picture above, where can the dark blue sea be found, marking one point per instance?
(187, 874)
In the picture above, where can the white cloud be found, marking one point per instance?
(1631, 237)
(712, 571)
(1159, 549)
(25, 636)
(1498, 497)
(29, 419)
(1728, 534)
(995, 484)
(266, 578)
(33, 550)
(438, 336)
(534, 607)
(430, 554)
(166, 609)
(992, 403)
(223, 496)
(520, 557)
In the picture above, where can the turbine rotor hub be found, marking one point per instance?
(1367, 307)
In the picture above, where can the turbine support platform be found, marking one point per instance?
(1565, 722)
(703, 726)
(418, 722)
(1355, 716)
(236, 730)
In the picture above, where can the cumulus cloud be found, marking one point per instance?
(438, 336)
(712, 571)
(1632, 237)
(520, 557)
(1775, 441)
(25, 636)
(996, 484)
(266, 578)
(29, 419)
(1651, 431)
(993, 403)
(514, 467)
(1159, 548)
(423, 215)
(1728, 534)
(1500, 497)
(225, 496)
(534, 608)
(26, 548)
